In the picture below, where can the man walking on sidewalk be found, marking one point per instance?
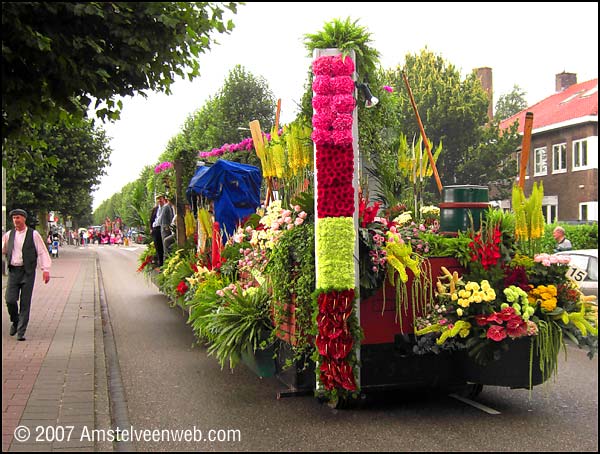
(24, 249)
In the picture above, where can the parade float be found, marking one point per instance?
(338, 296)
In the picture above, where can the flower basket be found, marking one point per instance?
(512, 369)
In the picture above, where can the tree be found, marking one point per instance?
(510, 103)
(77, 155)
(56, 56)
(242, 98)
(454, 113)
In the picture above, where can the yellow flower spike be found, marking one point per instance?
(440, 287)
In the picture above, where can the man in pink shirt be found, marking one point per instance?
(25, 250)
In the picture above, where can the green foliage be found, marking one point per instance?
(57, 56)
(453, 112)
(62, 175)
(582, 236)
(239, 325)
(203, 303)
(510, 104)
(291, 270)
(445, 246)
(346, 36)
(244, 97)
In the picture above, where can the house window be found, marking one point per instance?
(540, 162)
(588, 211)
(559, 158)
(580, 154)
(549, 212)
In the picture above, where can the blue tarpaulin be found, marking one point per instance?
(234, 189)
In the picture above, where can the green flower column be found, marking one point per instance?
(335, 136)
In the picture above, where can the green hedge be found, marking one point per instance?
(582, 236)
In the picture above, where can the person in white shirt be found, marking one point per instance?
(25, 250)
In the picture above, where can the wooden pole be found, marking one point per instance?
(179, 203)
(277, 115)
(525, 148)
(427, 146)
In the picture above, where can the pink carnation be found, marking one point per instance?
(321, 137)
(342, 85)
(323, 119)
(342, 122)
(342, 137)
(322, 85)
(322, 66)
(320, 102)
(342, 66)
(343, 103)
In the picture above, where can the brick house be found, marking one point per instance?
(564, 149)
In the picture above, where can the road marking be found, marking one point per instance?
(472, 403)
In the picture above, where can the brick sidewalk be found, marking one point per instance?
(49, 380)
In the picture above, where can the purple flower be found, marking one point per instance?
(388, 88)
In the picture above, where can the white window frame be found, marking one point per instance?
(592, 211)
(540, 166)
(548, 202)
(592, 153)
(561, 150)
(578, 146)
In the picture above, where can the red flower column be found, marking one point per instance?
(334, 136)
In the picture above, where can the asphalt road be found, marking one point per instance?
(171, 384)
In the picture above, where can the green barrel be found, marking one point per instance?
(458, 202)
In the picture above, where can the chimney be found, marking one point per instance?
(564, 80)
(485, 77)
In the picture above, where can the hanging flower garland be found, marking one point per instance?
(162, 167)
(338, 328)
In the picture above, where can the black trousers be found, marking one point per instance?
(158, 244)
(19, 291)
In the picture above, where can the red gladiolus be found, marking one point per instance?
(182, 288)
(496, 333)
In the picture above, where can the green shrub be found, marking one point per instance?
(582, 236)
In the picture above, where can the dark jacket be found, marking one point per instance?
(29, 251)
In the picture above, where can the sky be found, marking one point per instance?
(525, 44)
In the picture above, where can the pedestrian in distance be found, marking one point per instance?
(24, 249)
(166, 217)
(155, 226)
(562, 243)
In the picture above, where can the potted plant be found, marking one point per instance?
(240, 328)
